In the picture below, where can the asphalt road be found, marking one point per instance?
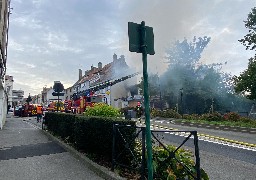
(220, 160)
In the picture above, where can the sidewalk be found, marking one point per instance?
(27, 153)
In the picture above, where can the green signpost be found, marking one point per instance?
(58, 88)
(141, 40)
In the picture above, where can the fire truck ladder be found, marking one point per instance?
(103, 85)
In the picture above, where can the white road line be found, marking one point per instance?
(31, 124)
(207, 139)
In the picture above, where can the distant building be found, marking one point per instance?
(8, 88)
(68, 93)
(17, 97)
(51, 98)
(44, 95)
(37, 99)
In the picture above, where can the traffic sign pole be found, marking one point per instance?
(146, 101)
(141, 40)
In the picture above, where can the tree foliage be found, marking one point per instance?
(245, 83)
(102, 110)
(187, 53)
(249, 40)
(153, 85)
(205, 87)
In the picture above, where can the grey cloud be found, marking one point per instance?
(58, 37)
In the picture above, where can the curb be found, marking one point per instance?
(99, 170)
(219, 127)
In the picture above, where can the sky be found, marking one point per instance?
(49, 40)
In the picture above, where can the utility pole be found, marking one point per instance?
(160, 93)
(212, 106)
(181, 99)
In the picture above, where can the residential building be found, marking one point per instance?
(8, 88)
(4, 25)
(17, 97)
(37, 99)
(44, 96)
(50, 97)
(115, 70)
(68, 93)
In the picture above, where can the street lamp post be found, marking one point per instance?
(181, 105)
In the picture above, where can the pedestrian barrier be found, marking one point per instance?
(138, 162)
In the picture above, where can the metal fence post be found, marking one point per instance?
(143, 153)
(198, 172)
(113, 147)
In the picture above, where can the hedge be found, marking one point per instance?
(89, 134)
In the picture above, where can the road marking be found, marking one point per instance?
(209, 138)
(33, 125)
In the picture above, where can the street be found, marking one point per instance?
(220, 160)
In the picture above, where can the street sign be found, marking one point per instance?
(57, 94)
(58, 87)
(135, 40)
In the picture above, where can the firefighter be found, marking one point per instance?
(39, 111)
(139, 110)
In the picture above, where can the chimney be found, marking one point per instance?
(100, 65)
(86, 72)
(114, 57)
(80, 74)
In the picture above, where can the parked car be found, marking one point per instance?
(18, 111)
(11, 110)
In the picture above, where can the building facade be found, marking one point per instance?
(112, 72)
(68, 93)
(51, 98)
(17, 97)
(8, 88)
(4, 25)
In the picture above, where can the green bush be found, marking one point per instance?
(247, 120)
(191, 116)
(232, 116)
(212, 117)
(154, 112)
(165, 167)
(102, 110)
(169, 113)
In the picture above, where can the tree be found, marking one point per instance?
(245, 83)
(203, 85)
(153, 85)
(249, 40)
(29, 99)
